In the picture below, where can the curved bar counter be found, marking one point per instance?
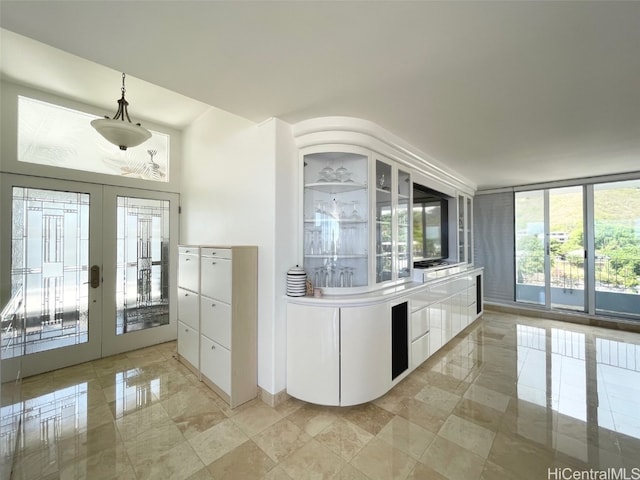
(351, 349)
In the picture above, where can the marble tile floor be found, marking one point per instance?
(511, 397)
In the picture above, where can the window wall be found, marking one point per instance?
(616, 212)
(578, 248)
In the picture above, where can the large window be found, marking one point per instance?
(563, 262)
(617, 246)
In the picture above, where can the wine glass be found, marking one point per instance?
(354, 213)
(381, 180)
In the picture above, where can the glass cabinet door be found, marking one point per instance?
(404, 226)
(469, 218)
(461, 230)
(384, 224)
(336, 214)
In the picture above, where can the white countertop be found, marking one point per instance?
(378, 296)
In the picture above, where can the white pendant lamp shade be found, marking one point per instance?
(119, 131)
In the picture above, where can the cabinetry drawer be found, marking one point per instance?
(216, 278)
(187, 250)
(188, 339)
(216, 252)
(419, 323)
(188, 307)
(216, 321)
(215, 363)
(188, 271)
(420, 350)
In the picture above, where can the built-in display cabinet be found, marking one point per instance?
(336, 219)
(217, 318)
(356, 220)
(378, 317)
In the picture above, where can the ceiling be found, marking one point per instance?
(506, 93)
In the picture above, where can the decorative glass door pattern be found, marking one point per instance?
(49, 271)
(142, 276)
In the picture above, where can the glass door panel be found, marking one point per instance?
(617, 247)
(49, 269)
(530, 247)
(51, 313)
(142, 268)
(384, 223)
(566, 248)
(469, 218)
(461, 229)
(404, 224)
(139, 268)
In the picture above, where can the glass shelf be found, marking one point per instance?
(335, 187)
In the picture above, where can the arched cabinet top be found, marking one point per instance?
(351, 131)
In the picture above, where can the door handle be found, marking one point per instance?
(95, 276)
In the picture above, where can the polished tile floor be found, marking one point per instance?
(509, 398)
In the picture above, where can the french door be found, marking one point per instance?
(86, 271)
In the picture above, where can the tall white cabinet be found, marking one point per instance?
(217, 318)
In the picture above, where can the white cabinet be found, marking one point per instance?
(188, 306)
(313, 354)
(218, 319)
(216, 273)
(188, 340)
(419, 323)
(216, 363)
(347, 354)
(436, 328)
(365, 347)
(420, 336)
(189, 268)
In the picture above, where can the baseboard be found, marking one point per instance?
(273, 399)
(612, 323)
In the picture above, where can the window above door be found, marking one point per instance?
(53, 135)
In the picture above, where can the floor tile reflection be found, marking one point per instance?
(510, 397)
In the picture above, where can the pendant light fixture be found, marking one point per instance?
(122, 133)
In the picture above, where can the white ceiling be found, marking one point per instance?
(506, 93)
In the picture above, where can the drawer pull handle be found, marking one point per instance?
(186, 294)
(186, 330)
(213, 347)
(213, 263)
(187, 259)
(213, 304)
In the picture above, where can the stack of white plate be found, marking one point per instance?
(296, 282)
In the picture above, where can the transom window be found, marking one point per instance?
(57, 136)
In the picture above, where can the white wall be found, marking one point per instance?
(228, 197)
(287, 240)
